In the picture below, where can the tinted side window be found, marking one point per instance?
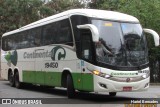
(86, 45)
(50, 33)
(10, 42)
(4, 44)
(58, 33)
(65, 35)
(18, 40)
(36, 34)
(31, 38)
(78, 20)
(23, 40)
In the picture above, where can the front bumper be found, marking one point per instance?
(105, 85)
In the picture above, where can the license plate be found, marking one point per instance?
(127, 88)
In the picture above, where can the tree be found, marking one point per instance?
(63, 5)
(106, 4)
(17, 13)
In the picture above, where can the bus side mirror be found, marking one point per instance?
(93, 29)
(154, 34)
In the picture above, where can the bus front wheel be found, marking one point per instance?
(70, 87)
(112, 93)
(11, 79)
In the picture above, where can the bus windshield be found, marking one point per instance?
(121, 44)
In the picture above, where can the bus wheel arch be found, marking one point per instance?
(11, 77)
(70, 87)
(67, 82)
(64, 78)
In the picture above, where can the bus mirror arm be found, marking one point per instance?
(154, 34)
(93, 29)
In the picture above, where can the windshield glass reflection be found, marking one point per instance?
(120, 44)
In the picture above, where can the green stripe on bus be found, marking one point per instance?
(88, 82)
(43, 78)
(81, 81)
(29, 76)
(53, 79)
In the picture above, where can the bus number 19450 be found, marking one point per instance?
(51, 65)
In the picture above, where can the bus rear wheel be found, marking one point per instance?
(112, 93)
(70, 87)
(17, 83)
(11, 79)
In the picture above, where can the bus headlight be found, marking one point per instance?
(107, 76)
(96, 72)
(104, 75)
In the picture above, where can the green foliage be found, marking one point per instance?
(106, 4)
(17, 13)
(63, 5)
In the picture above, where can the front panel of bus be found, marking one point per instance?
(118, 62)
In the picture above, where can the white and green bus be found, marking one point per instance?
(81, 50)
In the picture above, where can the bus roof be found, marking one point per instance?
(103, 14)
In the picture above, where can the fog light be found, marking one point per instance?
(146, 85)
(103, 85)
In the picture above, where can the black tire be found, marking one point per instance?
(17, 83)
(112, 93)
(70, 87)
(11, 79)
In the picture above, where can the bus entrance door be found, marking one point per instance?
(87, 57)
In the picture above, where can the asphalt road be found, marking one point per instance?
(60, 99)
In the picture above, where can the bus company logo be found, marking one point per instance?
(128, 80)
(58, 52)
(122, 73)
(12, 57)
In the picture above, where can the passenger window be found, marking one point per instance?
(31, 39)
(49, 34)
(4, 44)
(58, 33)
(36, 33)
(65, 35)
